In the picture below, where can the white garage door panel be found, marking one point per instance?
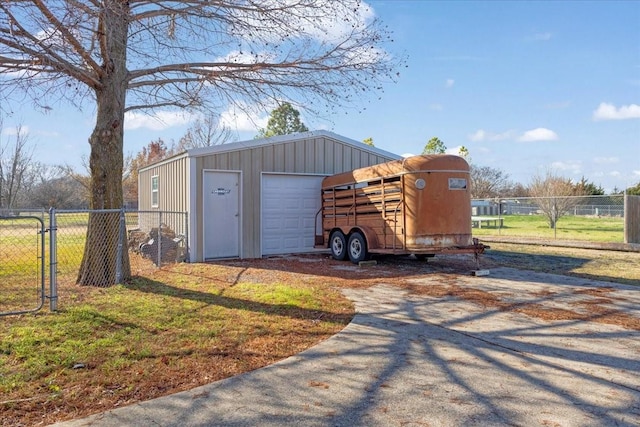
(289, 207)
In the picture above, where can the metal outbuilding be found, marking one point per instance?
(252, 198)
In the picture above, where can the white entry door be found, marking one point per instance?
(289, 207)
(221, 216)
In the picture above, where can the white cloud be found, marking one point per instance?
(238, 57)
(615, 174)
(637, 173)
(158, 121)
(572, 166)
(317, 21)
(243, 120)
(13, 131)
(454, 150)
(606, 160)
(478, 136)
(449, 83)
(538, 134)
(482, 135)
(436, 107)
(608, 111)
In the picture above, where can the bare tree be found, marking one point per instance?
(56, 188)
(82, 179)
(488, 182)
(554, 195)
(205, 132)
(126, 55)
(516, 190)
(16, 168)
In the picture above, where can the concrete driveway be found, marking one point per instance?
(410, 359)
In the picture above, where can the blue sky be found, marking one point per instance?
(526, 86)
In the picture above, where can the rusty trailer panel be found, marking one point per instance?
(420, 205)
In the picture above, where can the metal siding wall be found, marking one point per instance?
(268, 159)
(144, 190)
(172, 186)
(166, 190)
(319, 155)
(347, 158)
(309, 155)
(329, 158)
(172, 191)
(278, 158)
(356, 159)
(199, 249)
(298, 163)
(251, 239)
(175, 180)
(289, 157)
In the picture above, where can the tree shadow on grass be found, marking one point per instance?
(288, 310)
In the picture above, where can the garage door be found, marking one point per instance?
(289, 207)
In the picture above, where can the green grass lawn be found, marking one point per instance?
(604, 229)
(171, 331)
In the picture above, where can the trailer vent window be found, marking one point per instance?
(457, 184)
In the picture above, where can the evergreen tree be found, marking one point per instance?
(284, 120)
(434, 146)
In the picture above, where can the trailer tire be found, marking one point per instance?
(338, 245)
(357, 247)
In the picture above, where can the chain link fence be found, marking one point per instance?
(580, 218)
(22, 274)
(101, 238)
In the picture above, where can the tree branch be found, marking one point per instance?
(68, 36)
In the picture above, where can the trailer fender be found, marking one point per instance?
(369, 234)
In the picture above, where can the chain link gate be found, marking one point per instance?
(22, 264)
(153, 239)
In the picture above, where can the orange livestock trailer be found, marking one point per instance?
(419, 205)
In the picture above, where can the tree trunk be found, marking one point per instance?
(99, 262)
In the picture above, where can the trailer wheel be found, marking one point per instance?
(357, 247)
(338, 245)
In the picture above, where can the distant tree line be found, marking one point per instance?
(27, 183)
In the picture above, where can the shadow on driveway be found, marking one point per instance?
(413, 360)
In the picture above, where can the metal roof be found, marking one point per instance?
(274, 140)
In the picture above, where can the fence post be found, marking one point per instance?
(121, 233)
(53, 261)
(631, 219)
(159, 264)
